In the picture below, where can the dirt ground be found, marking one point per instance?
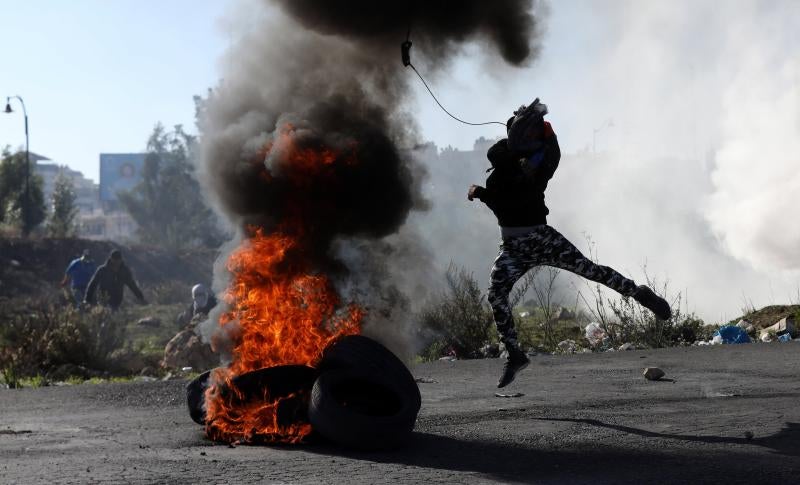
(730, 414)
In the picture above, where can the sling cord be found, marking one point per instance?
(408, 36)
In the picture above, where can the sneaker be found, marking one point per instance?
(653, 302)
(515, 363)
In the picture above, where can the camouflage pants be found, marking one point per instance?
(543, 246)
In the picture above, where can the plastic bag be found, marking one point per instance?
(594, 334)
(731, 334)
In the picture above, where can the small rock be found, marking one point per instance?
(516, 394)
(653, 373)
(148, 322)
(748, 435)
(148, 371)
(568, 346)
(425, 380)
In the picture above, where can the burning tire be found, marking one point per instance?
(278, 381)
(362, 409)
(364, 354)
(195, 397)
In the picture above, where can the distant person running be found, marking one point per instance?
(523, 163)
(78, 274)
(109, 282)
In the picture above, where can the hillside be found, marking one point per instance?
(35, 267)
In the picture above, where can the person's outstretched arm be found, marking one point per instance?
(131, 283)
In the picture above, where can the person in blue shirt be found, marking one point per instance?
(78, 274)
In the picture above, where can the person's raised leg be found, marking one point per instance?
(555, 250)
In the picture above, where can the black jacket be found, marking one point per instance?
(516, 198)
(109, 284)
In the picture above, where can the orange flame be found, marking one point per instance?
(282, 312)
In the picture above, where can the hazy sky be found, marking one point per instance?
(97, 75)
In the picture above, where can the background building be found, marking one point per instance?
(118, 172)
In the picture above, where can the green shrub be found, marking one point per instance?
(459, 321)
(40, 335)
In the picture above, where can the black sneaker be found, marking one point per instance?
(653, 302)
(515, 363)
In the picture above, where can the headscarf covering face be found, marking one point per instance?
(199, 296)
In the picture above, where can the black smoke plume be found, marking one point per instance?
(326, 75)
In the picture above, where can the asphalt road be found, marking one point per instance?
(730, 415)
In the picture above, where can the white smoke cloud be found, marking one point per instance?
(756, 197)
(699, 177)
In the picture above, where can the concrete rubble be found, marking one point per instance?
(782, 326)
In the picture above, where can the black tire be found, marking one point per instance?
(363, 353)
(195, 397)
(278, 381)
(361, 410)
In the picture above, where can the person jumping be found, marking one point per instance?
(522, 164)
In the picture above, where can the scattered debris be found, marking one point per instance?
(568, 346)
(627, 346)
(732, 334)
(783, 326)
(746, 325)
(784, 338)
(490, 351)
(426, 380)
(766, 337)
(516, 394)
(721, 394)
(448, 358)
(524, 314)
(653, 373)
(148, 322)
(594, 334)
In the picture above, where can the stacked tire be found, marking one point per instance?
(362, 396)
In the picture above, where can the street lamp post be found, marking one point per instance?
(27, 201)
